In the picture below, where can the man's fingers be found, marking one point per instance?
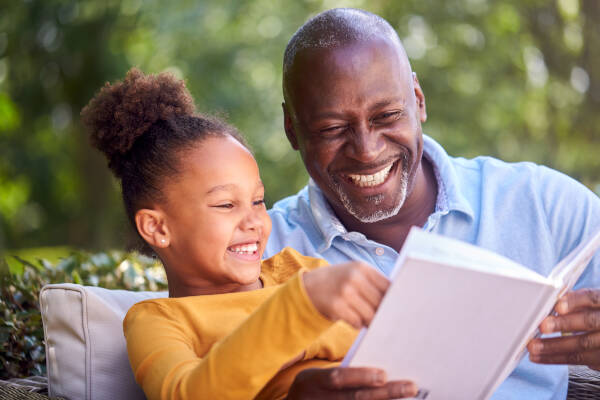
(565, 344)
(577, 300)
(348, 383)
(577, 358)
(581, 321)
(352, 378)
(391, 390)
(401, 389)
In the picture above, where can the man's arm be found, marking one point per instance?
(573, 213)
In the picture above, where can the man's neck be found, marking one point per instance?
(419, 205)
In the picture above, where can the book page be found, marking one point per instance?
(450, 330)
(437, 248)
(569, 269)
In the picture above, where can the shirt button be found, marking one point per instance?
(379, 251)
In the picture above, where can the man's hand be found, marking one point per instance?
(348, 383)
(351, 292)
(578, 313)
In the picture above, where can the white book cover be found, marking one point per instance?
(456, 318)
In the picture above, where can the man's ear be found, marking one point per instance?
(288, 126)
(420, 98)
(152, 227)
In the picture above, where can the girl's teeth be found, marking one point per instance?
(245, 249)
(371, 180)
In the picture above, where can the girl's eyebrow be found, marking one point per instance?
(230, 186)
(217, 188)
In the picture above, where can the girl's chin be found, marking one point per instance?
(250, 283)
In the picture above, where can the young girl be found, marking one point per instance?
(233, 326)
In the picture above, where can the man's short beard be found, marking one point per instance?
(379, 214)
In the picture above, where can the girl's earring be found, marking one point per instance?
(163, 241)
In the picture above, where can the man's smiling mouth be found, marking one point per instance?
(374, 179)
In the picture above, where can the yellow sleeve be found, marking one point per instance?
(238, 366)
(283, 265)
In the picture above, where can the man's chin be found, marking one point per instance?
(369, 215)
(372, 207)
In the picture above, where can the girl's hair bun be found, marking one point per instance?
(122, 112)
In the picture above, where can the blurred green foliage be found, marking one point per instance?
(22, 350)
(517, 79)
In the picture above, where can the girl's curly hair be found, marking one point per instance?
(142, 124)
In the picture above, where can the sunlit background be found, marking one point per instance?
(516, 79)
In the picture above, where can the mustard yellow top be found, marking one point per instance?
(233, 346)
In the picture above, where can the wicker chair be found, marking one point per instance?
(584, 384)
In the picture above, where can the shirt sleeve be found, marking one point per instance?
(166, 366)
(573, 215)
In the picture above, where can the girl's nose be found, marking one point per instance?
(251, 221)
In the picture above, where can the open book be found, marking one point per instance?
(456, 318)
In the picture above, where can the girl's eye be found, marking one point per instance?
(224, 205)
(259, 202)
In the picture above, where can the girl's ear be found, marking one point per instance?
(152, 226)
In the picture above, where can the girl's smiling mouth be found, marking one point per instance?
(246, 251)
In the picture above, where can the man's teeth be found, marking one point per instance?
(371, 180)
(245, 249)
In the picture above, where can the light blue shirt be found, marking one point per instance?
(528, 213)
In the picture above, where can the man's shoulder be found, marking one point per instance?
(492, 174)
(289, 207)
(293, 225)
(471, 177)
(291, 213)
(491, 165)
(543, 180)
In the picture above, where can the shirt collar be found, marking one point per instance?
(450, 195)
(449, 198)
(325, 219)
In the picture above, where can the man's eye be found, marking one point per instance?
(387, 117)
(259, 202)
(332, 130)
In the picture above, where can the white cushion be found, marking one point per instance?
(86, 355)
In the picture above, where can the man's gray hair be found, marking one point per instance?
(336, 27)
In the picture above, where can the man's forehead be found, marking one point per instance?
(329, 66)
(327, 86)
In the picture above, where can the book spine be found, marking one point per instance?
(350, 354)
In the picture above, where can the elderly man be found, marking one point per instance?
(353, 109)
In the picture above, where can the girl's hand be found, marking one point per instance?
(351, 292)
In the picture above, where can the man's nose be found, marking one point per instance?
(366, 144)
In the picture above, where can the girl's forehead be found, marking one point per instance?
(218, 161)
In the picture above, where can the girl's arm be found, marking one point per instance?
(240, 365)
